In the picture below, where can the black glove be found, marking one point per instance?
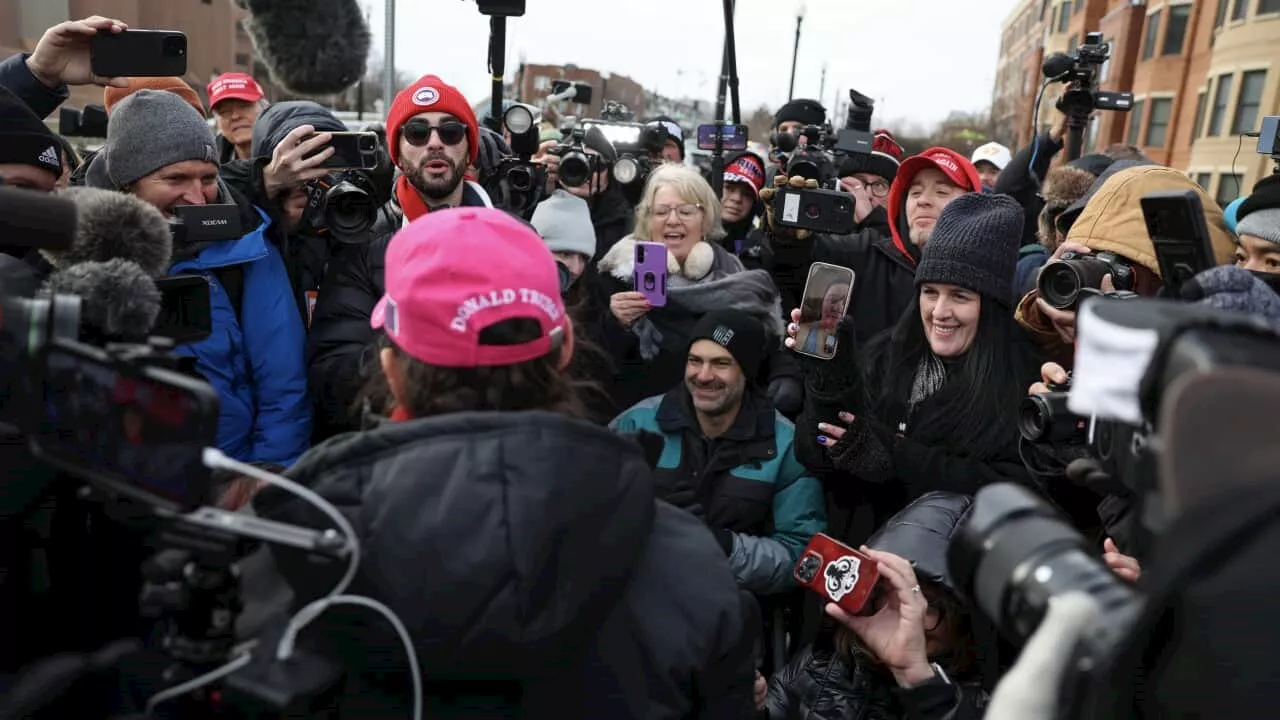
(725, 538)
(787, 394)
(865, 451)
(831, 378)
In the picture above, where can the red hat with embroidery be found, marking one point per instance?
(232, 85)
(747, 169)
(452, 274)
(431, 94)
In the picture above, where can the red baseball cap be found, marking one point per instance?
(453, 273)
(238, 86)
(955, 166)
(748, 169)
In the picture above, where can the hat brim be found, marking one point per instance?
(914, 164)
(378, 317)
(245, 95)
(736, 178)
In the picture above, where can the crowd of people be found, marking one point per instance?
(582, 503)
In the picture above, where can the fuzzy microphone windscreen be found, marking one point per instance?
(312, 47)
(118, 299)
(111, 224)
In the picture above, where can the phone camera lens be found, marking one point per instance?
(175, 47)
(368, 143)
(640, 253)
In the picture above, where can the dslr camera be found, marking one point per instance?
(825, 209)
(342, 205)
(577, 168)
(1066, 281)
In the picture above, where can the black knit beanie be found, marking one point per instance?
(975, 245)
(1265, 196)
(738, 332)
(809, 112)
(24, 138)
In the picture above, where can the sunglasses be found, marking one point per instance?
(418, 132)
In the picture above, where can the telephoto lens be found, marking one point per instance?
(575, 169)
(1014, 553)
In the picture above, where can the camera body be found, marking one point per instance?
(342, 205)
(577, 168)
(1074, 276)
(1082, 95)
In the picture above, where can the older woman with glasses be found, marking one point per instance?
(648, 343)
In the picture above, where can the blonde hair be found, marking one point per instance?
(692, 188)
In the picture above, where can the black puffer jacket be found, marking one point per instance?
(532, 568)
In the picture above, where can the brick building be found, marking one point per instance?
(533, 85)
(1018, 72)
(216, 41)
(1203, 73)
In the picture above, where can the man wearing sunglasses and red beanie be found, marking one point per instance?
(432, 137)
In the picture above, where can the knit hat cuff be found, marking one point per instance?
(1263, 224)
(966, 275)
(34, 149)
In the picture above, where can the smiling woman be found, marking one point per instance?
(930, 404)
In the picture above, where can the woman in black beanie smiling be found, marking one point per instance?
(932, 403)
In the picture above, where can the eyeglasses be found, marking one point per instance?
(688, 211)
(418, 132)
(878, 188)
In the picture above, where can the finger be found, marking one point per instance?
(309, 145)
(837, 613)
(1108, 286)
(1121, 563)
(1038, 389)
(118, 82)
(796, 182)
(1054, 373)
(831, 431)
(795, 315)
(308, 161)
(811, 184)
(306, 176)
(790, 343)
(846, 416)
(1127, 574)
(1109, 546)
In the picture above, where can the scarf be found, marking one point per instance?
(931, 375)
(411, 203)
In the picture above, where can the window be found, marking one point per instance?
(1203, 180)
(1152, 36)
(1064, 17)
(1220, 100)
(1221, 17)
(1240, 9)
(1228, 189)
(542, 82)
(1200, 101)
(1176, 32)
(1072, 43)
(1158, 123)
(1105, 71)
(1268, 6)
(1251, 84)
(1135, 121)
(1079, 7)
(242, 59)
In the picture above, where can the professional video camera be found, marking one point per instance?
(639, 146)
(518, 184)
(1014, 553)
(822, 206)
(1080, 70)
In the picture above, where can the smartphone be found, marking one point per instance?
(1269, 136)
(185, 315)
(353, 151)
(651, 272)
(134, 431)
(205, 223)
(821, 211)
(840, 574)
(1175, 221)
(822, 307)
(139, 53)
(732, 137)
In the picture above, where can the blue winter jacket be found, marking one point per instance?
(255, 362)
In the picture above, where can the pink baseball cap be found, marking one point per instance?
(234, 85)
(451, 274)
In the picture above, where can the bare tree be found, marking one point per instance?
(760, 124)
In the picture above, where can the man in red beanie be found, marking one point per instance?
(433, 137)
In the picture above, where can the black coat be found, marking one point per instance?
(613, 218)
(531, 566)
(820, 685)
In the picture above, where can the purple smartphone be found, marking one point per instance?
(651, 272)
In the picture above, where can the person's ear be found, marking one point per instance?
(566, 349)
(393, 369)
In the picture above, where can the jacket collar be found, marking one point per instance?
(755, 420)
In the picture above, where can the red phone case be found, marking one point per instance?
(839, 573)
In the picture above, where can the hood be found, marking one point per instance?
(280, 119)
(500, 539)
(921, 532)
(1077, 207)
(1112, 218)
(1063, 186)
(961, 172)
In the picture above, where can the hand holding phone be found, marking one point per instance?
(138, 53)
(650, 277)
(298, 159)
(63, 55)
(837, 572)
(827, 293)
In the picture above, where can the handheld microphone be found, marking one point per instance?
(119, 300)
(111, 224)
(295, 39)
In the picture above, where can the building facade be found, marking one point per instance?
(217, 41)
(1018, 72)
(533, 85)
(1203, 74)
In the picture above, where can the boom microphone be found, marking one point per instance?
(119, 301)
(1057, 65)
(296, 40)
(30, 219)
(111, 225)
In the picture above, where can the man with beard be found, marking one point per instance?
(728, 454)
(432, 138)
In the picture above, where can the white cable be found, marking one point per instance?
(215, 459)
(196, 683)
(316, 608)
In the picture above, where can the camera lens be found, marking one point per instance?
(349, 212)
(812, 211)
(1060, 282)
(807, 569)
(520, 179)
(174, 47)
(1046, 419)
(575, 169)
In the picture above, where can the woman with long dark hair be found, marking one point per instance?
(932, 403)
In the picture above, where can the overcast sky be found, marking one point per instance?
(921, 59)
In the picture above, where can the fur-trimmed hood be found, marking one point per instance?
(620, 261)
(1063, 187)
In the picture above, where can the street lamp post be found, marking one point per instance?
(389, 55)
(795, 54)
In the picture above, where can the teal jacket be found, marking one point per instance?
(746, 484)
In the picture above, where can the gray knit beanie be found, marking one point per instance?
(1264, 224)
(564, 222)
(152, 129)
(975, 245)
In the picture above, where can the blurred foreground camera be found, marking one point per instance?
(91, 122)
(343, 205)
(576, 166)
(1064, 282)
